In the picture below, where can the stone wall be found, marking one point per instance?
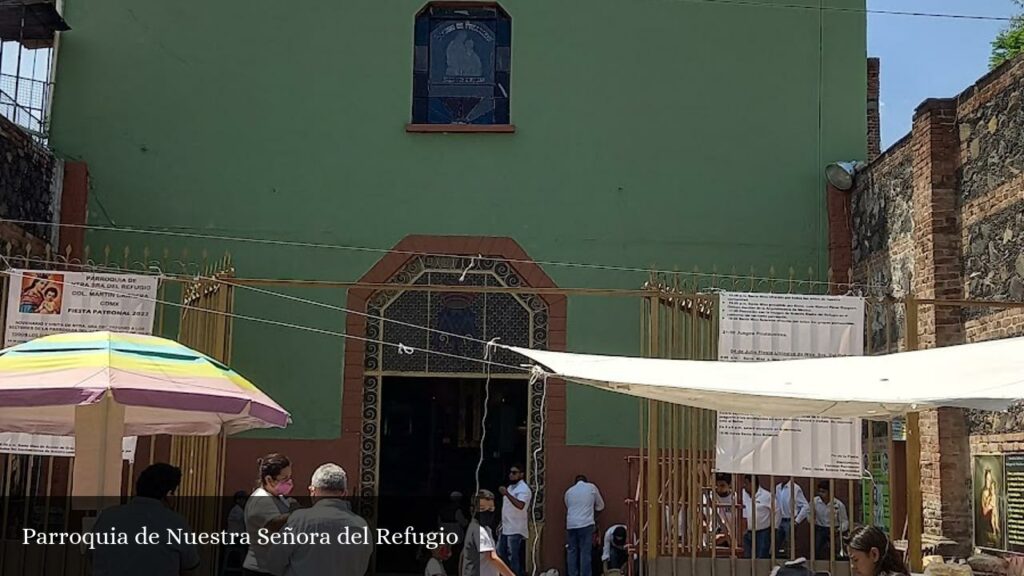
(882, 246)
(26, 189)
(991, 132)
(940, 215)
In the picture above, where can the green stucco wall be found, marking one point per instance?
(667, 132)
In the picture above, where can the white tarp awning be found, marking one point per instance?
(985, 376)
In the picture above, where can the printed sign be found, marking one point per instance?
(42, 445)
(1013, 468)
(41, 303)
(876, 490)
(758, 327)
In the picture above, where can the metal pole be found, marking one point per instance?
(653, 453)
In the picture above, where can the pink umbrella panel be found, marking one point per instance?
(165, 387)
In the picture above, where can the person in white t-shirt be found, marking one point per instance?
(582, 501)
(514, 514)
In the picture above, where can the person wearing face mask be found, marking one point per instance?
(479, 557)
(330, 514)
(267, 508)
(149, 511)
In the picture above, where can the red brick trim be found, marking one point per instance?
(410, 247)
(74, 201)
(840, 237)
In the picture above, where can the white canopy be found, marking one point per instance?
(984, 376)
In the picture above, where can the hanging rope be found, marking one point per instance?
(488, 353)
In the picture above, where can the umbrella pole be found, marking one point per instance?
(99, 433)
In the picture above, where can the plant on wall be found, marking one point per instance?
(1010, 42)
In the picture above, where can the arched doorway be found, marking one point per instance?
(400, 395)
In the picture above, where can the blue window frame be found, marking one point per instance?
(461, 64)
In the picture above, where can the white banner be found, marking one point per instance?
(42, 445)
(40, 303)
(756, 327)
(44, 302)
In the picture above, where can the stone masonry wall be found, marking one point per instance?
(883, 247)
(941, 215)
(991, 133)
(26, 175)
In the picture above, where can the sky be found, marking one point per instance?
(929, 57)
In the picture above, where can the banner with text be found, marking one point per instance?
(44, 302)
(43, 445)
(756, 327)
(40, 303)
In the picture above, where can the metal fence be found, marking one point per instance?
(23, 101)
(35, 491)
(678, 521)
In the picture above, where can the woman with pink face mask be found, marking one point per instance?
(267, 509)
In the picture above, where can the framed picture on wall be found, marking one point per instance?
(989, 502)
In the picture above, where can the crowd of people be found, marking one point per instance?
(492, 547)
(769, 518)
(489, 547)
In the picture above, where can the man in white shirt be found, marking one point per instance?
(514, 515)
(786, 493)
(828, 512)
(582, 500)
(331, 515)
(614, 554)
(147, 511)
(760, 520)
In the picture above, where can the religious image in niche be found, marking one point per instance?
(989, 531)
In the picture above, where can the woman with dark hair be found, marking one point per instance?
(872, 554)
(267, 509)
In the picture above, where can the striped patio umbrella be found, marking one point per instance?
(164, 387)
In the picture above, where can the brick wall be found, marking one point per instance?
(945, 453)
(941, 215)
(26, 177)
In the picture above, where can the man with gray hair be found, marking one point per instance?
(332, 515)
